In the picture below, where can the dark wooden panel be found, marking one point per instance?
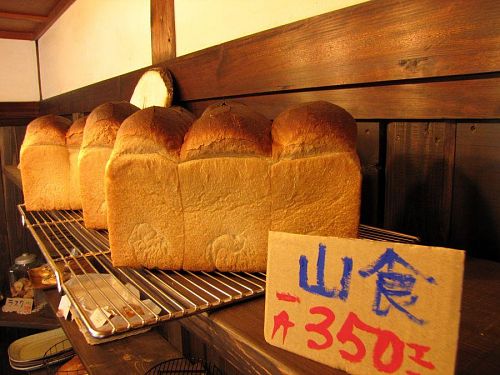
(368, 150)
(475, 224)
(475, 98)
(23, 16)
(371, 42)
(12, 110)
(419, 174)
(19, 239)
(162, 30)
(16, 35)
(13, 174)
(4, 232)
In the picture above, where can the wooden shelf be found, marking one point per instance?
(43, 319)
(130, 355)
(13, 174)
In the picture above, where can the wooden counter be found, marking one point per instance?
(232, 337)
(43, 319)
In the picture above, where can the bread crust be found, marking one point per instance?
(316, 174)
(145, 220)
(44, 164)
(103, 123)
(47, 130)
(154, 130)
(74, 135)
(313, 128)
(98, 139)
(226, 129)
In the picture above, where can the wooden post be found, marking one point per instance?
(162, 30)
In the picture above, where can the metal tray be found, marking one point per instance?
(80, 258)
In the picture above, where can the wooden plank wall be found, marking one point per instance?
(422, 155)
(475, 216)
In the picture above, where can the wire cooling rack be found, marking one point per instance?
(111, 300)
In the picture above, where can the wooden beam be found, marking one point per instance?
(162, 30)
(474, 98)
(6, 34)
(54, 14)
(12, 110)
(419, 179)
(23, 17)
(376, 41)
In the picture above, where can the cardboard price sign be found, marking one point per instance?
(366, 307)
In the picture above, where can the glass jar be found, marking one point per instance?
(19, 278)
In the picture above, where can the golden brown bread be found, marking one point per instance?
(98, 140)
(145, 218)
(44, 164)
(74, 138)
(103, 123)
(74, 135)
(313, 128)
(212, 208)
(154, 130)
(316, 175)
(227, 128)
(225, 188)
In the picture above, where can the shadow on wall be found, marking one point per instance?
(473, 226)
(421, 209)
(417, 201)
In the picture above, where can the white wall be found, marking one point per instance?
(18, 71)
(92, 41)
(99, 39)
(203, 23)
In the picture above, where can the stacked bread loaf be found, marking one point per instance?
(98, 140)
(44, 164)
(212, 207)
(226, 189)
(202, 195)
(145, 216)
(74, 138)
(316, 175)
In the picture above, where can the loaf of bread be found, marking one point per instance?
(44, 164)
(316, 174)
(225, 186)
(154, 88)
(145, 219)
(98, 139)
(74, 138)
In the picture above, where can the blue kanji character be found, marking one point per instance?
(319, 287)
(392, 285)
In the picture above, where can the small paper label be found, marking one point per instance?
(18, 305)
(63, 309)
(152, 306)
(100, 316)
